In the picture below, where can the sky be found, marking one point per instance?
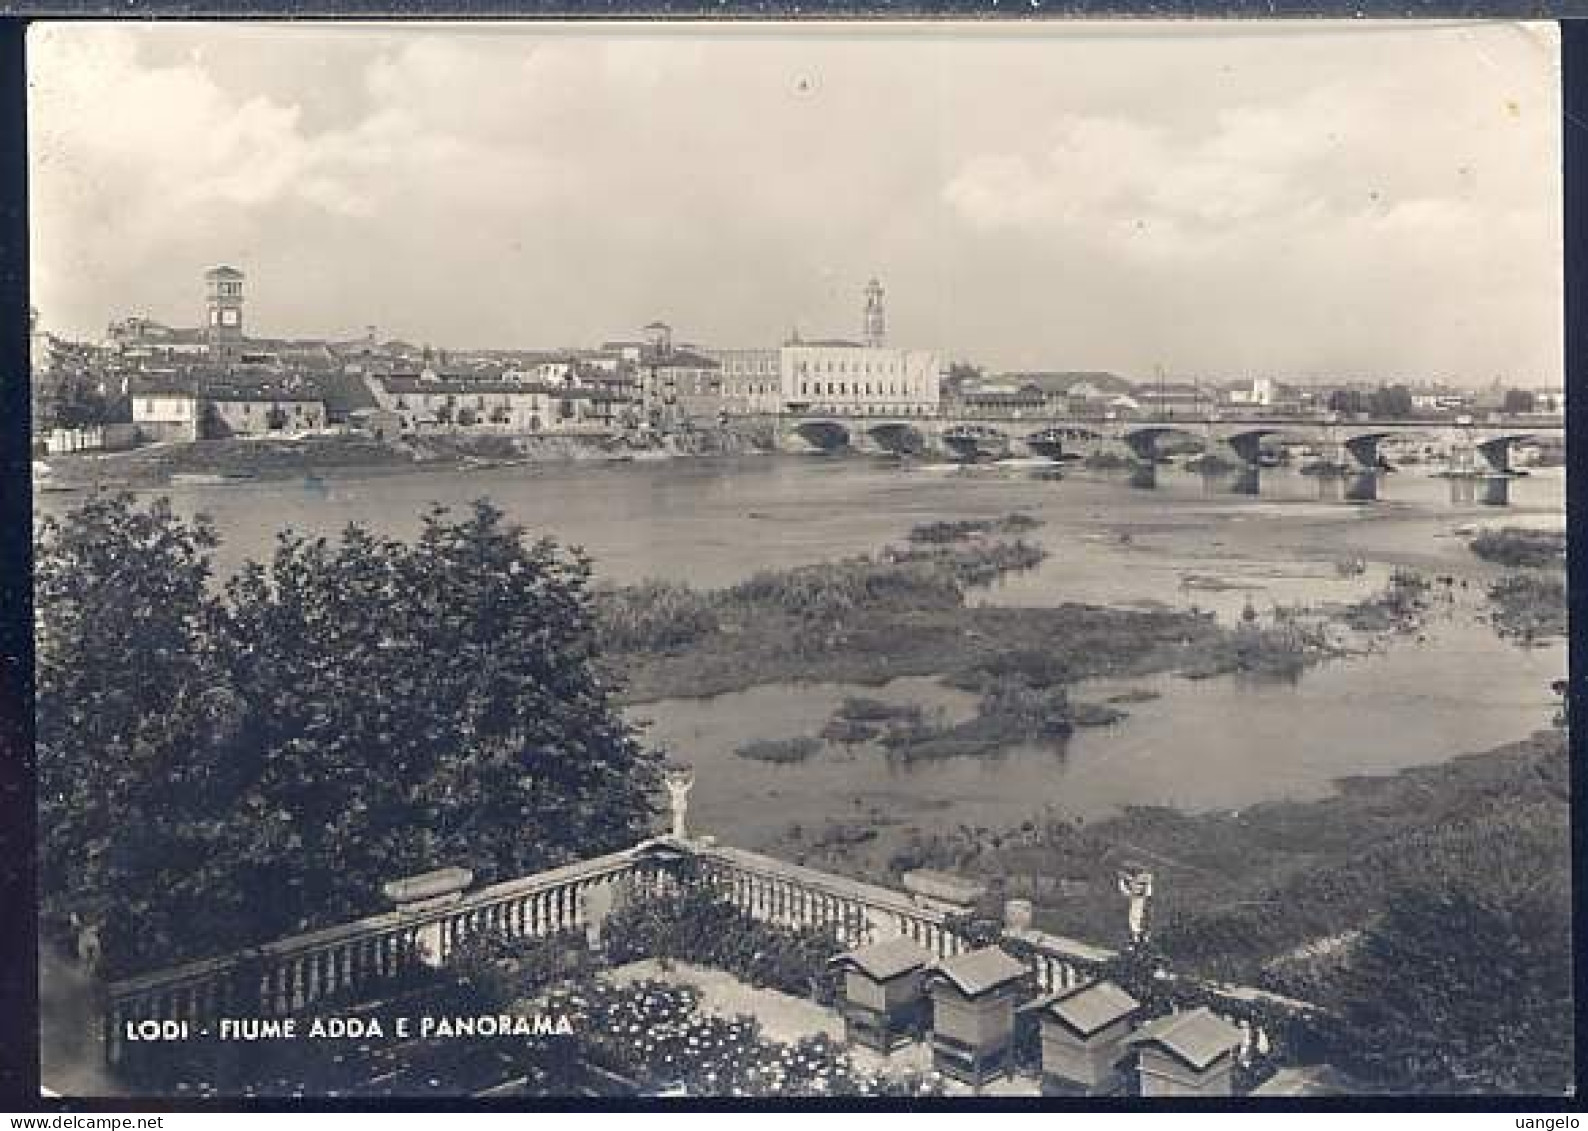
(1214, 199)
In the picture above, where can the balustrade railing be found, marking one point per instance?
(790, 895)
(353, 961)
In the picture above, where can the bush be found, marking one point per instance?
(1529, 606)
(698, 926)
(1518, 546)
(493, 970)
(657, 616)
(945, 532)
(781, 750)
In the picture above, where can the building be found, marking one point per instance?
(223, 304)
(144, 342)
(1001, 400)
(866, 378)
(255, 408)
(429, 401)
(1175, 398)
(678, 385)
(752, 380)
(165, 412)
(846, 377)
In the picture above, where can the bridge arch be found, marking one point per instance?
(975, 441)
(1050, 442)
(823, 435)
(1248, 443)
(1143, 442)
(1497, 449)
(898, 437)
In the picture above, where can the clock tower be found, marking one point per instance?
(876, 322)
(223, 304)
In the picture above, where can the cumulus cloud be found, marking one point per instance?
(1295, 201)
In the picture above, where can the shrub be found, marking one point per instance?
(698, 926)
(781, 750)
(1518, 546)
(657, 616)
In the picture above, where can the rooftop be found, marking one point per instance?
(1197, 1037)
(1092, 1007)
(678, 358)
(1309, 1080)
(978, 972)
(885, 960)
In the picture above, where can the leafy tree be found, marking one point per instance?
(133, 717)
(1348, 401)
(1518, 402)
(1461, 989)
(223, 771)
(76, 401)
(1390, 401)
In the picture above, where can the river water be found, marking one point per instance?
(1186, 541)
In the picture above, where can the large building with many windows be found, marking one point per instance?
(846, 377)
(866, 378)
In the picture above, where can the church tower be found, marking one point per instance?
(223, 304)
(876, 316)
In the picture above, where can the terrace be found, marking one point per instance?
(683, 967)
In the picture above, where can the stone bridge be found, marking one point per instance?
(1481, 447)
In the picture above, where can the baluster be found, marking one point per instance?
(297, 992)
(312, 981)
(115, 1026)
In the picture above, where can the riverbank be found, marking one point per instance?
(1272, 894)
(355, 455)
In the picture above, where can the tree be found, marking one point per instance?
(1346, 401)
(239, 768)
(1461, 989)
(132, 717)
(1518, 402)
(1390, 401)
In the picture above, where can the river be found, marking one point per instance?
(1187, 541)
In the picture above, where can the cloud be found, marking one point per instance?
(1271, 198)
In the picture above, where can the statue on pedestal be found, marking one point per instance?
(679, 777)
(1137, 887)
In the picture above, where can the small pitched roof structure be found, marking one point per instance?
(1089, 1008)
(1309, 1080)
(979, 972)
(1196, 1038)
(886, 960)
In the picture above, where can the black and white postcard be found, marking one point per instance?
(934, 559)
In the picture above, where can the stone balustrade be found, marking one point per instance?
(790, 895)
(350, 962)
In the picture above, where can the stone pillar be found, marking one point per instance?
(425, 892)
(1017, 914)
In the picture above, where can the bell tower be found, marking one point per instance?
(223, 304)
(876, 324)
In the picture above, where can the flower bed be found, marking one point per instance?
(700, 927)
(655, 1035)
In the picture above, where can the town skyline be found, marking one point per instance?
(1256, 226)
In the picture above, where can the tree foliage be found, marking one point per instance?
(1461, 989)
(222, 769)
